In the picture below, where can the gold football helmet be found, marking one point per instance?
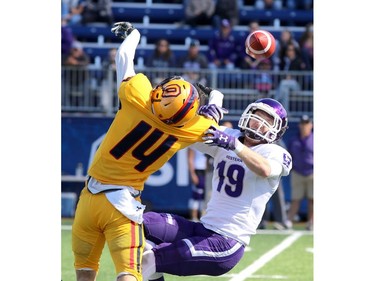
(174, 101)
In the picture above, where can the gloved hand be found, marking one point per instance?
(204, 89)
(212, 111)
(122, 29)
(215, 137)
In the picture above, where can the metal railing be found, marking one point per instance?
(93, 89)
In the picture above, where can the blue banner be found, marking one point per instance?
(166, 190)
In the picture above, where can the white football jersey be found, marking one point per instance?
(239, 196)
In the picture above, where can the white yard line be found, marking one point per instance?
(66, 227)
(250, 270)
(247, 272)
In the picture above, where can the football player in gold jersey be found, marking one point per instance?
(151, 125)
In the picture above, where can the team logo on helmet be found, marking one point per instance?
(174, 101)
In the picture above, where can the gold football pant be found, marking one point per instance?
(97, 221)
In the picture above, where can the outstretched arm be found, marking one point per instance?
(253, 160)
(213, 109)
(126, 51)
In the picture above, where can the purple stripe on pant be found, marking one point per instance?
(188, 248)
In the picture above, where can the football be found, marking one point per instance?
(260, 44)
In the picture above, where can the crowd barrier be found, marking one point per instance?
(93, 89)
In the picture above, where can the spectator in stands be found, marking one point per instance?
(162, 58)
(226, 9)
(307, 33)
(307, 56)
(290, 62)
(307, 47)
(253, 26)
(197, 164)
(76, 75)
(72, 11)
(67, 39)
(286, 38)
(97, 11)
(193, 62)
(199, 12)
(77, 56)
(162, 55)
(222, 51)
(306, 43)
(110, 62)
(301, 147)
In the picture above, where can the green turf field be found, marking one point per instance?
(272, 255)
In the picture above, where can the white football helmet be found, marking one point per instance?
(264, 131)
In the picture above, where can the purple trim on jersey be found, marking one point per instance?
(188, 248)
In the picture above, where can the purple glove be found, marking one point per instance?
(212, 111)
(215, 137)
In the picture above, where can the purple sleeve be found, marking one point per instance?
(66, 39)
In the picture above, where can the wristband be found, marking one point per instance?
(239, 147)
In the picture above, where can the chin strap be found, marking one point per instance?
(254, 137)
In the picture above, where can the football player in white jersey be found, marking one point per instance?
(248, 167)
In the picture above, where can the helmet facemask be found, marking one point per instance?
(261, 130)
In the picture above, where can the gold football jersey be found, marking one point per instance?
(137, 143)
